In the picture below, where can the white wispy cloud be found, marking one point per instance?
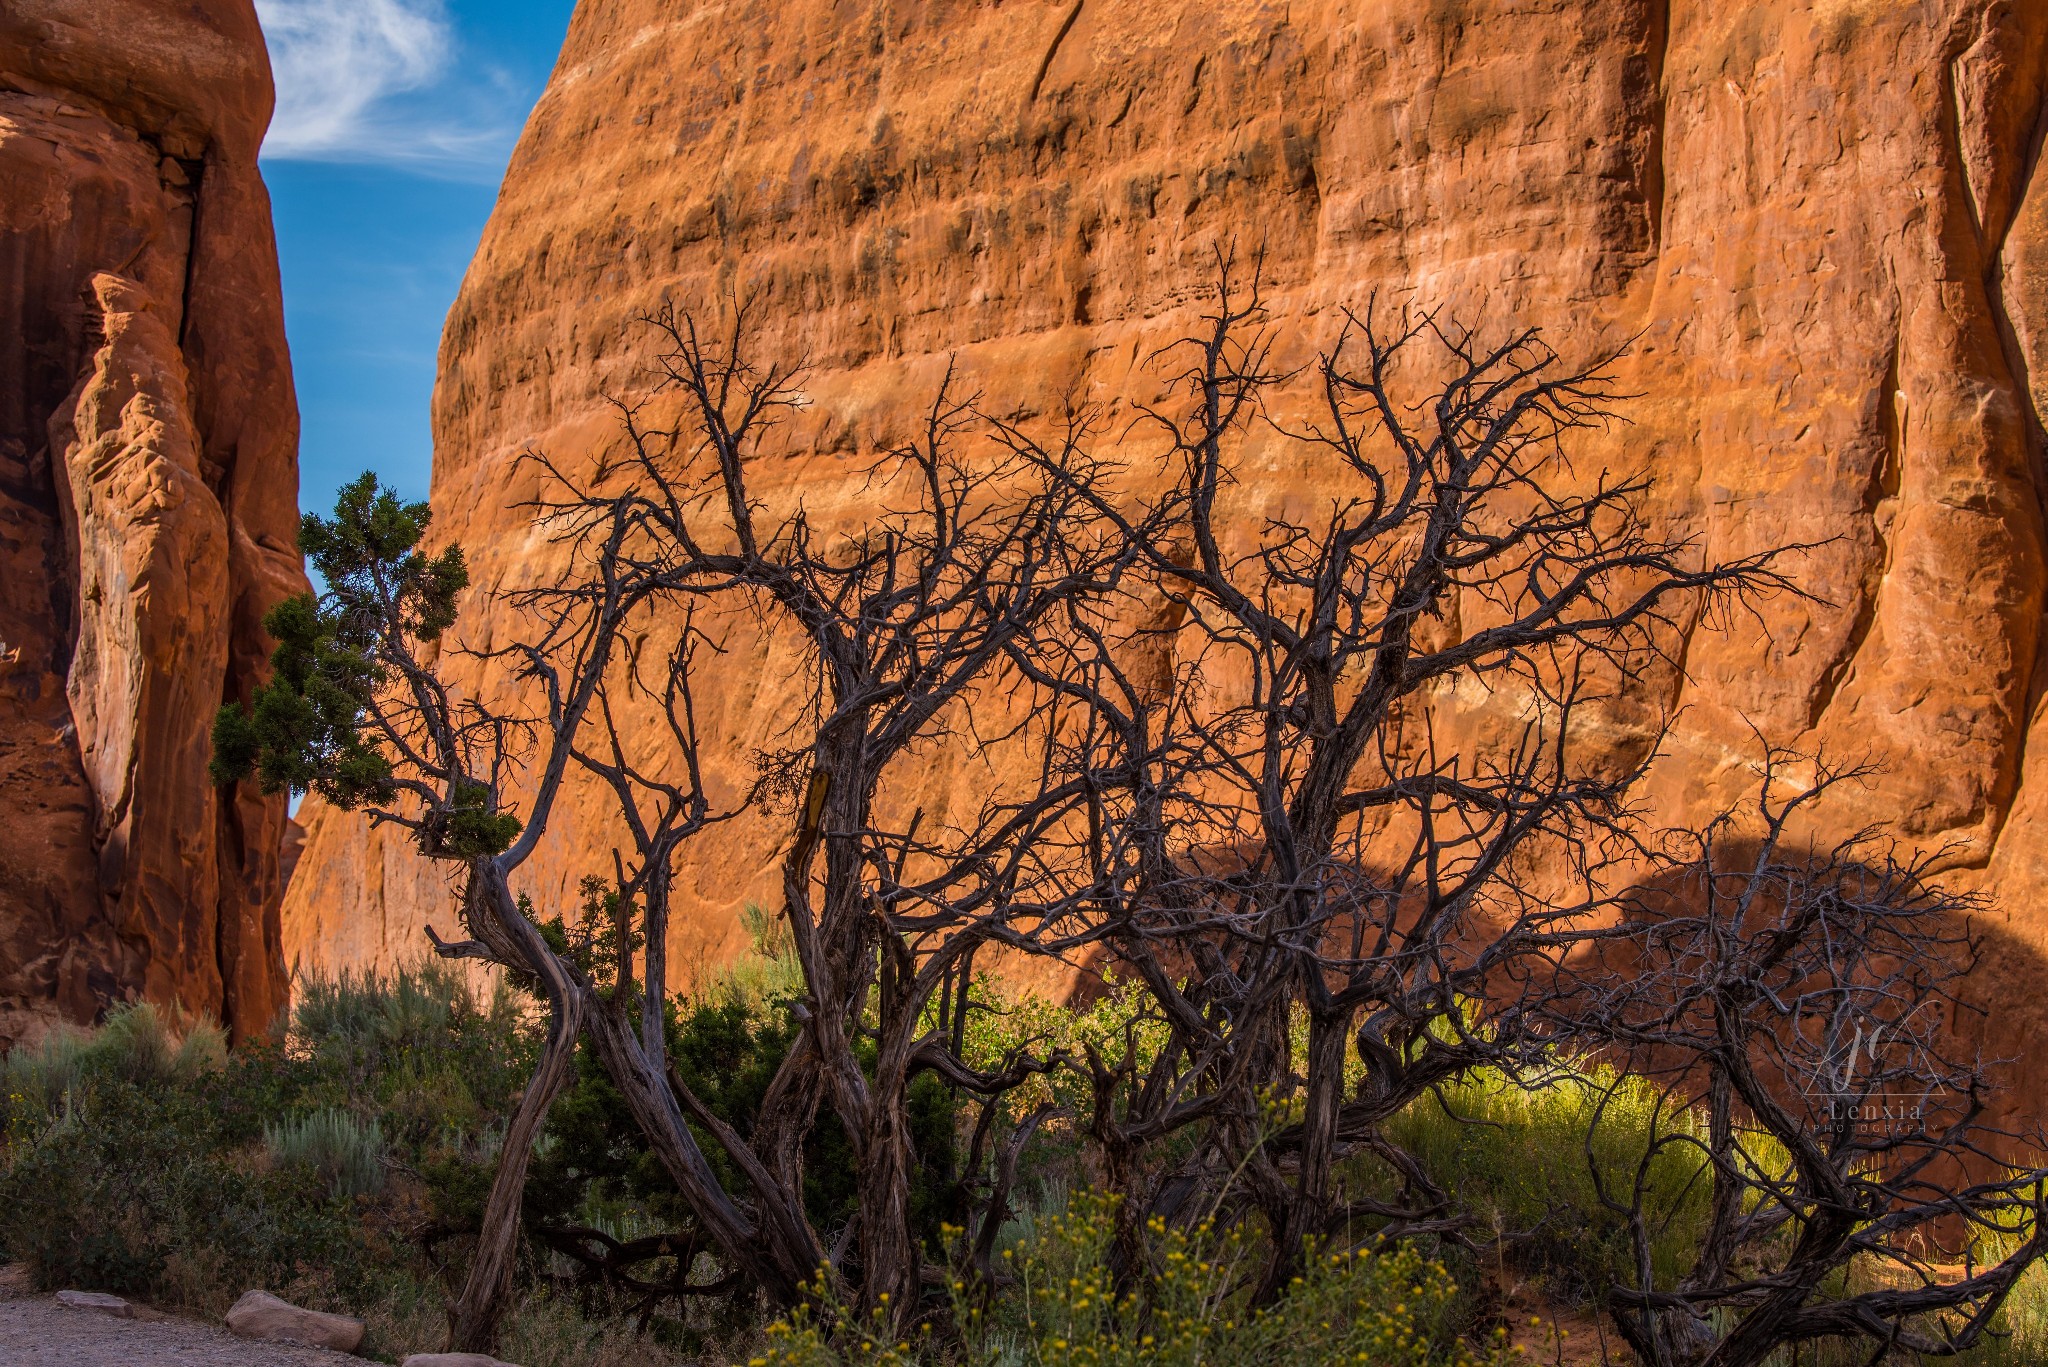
(378, 81)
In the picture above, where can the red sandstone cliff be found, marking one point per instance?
(148, 504)
(1821, 218)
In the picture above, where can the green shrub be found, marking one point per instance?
(1518, 1155)
(548, 1331)
(418, 1048)
(138, 1158)
(2019, 1336)
(135, 1045)
(138, 1045)
(726, 1051)
(594, 1167)
(345, 1154)
(35, 1081)
(1387, 1306)
(763, 979)
(2025, 1318)
(130, 1190)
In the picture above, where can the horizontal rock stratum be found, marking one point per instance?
(148, 505)
(1820, 223)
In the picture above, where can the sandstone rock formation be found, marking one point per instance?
(1820, 220)
(148, 504)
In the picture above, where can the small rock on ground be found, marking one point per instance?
(453, 1360)
(96, 1300)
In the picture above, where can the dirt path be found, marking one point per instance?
(35, 1331)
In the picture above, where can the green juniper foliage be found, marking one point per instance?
(471, 827)
(310, 728)
(303, 729)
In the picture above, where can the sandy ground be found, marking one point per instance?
(35, 1331)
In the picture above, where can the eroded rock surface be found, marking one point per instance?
(148, 501)
(260, 1315)
(1821, 222)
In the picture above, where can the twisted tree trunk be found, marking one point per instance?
(473, 1318)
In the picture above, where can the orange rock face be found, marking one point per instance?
(148, 503)
(1819, 220)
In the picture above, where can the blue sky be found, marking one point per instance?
(394, 120)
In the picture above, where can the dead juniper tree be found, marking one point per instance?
(1315, 881)
(360, 712)
(1799, 1001)
(904, 626)
(902, 623)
